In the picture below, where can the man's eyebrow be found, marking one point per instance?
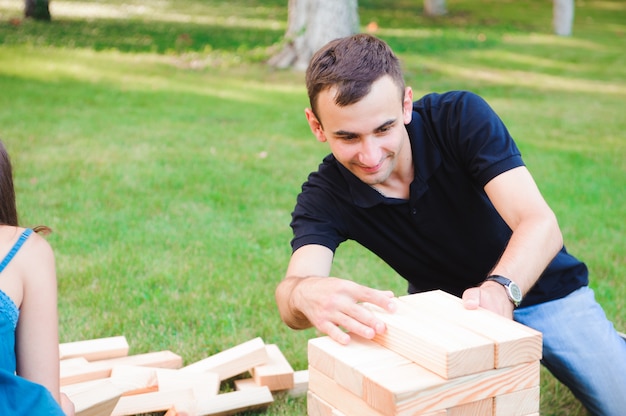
(383, 126)
(386, 124)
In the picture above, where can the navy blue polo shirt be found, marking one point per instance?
(447, 235)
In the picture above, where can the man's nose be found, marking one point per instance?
(369, 152)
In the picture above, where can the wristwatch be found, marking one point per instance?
(512, 289)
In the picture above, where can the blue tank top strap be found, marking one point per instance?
(18, 244)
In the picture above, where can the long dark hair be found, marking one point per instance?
(8, 207)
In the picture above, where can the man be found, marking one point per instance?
(439, 191)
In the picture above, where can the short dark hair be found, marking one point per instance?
(351, 64)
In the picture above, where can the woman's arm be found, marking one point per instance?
(37, 340)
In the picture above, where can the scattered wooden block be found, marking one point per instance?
(233, 361)
(95, 349)
(276, 373)
(182, 400)
(235, 402)
(513, 342)
(93, 398)
(203, 384)
(245, 383)
(102, 369)
(300, 383)
(134, 379)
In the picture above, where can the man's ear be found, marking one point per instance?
(407, 105)
(315, 125)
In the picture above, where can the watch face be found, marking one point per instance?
(516, 293)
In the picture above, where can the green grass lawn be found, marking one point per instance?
(166, 156)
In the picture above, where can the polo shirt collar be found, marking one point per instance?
(426, 155)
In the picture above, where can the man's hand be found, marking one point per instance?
(332, 305)
(489, 295)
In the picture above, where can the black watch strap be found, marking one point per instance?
(513, 291)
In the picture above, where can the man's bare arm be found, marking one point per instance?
(536, 238)
(309, 297)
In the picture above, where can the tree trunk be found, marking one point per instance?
(434, 7)
(311, 24)
(563, 17)
(37, 9)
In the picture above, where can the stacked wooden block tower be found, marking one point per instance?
(102, 379)
(436, 358)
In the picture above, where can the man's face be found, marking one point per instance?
(367, 137)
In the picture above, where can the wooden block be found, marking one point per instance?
(182, 400)
(480, 407)
(235, 402)
(390, 385)
(204, 384)
(300, 383)
(102, 368)
(514, 343)
(403, 391)
(346, 364)
(134, 379)
(277, 373)
(315, 406)
(338, 397)
(233, 361)
(245, 383)
(517, 403)
(445, 349)
(95, 349)
(93, 398)
(78, 370)
(72, 364)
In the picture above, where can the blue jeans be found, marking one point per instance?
(582, 349)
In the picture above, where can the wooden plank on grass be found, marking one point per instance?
(233, 361)
(95, 349)
(134, 379)
(102, 368)
(182, 400)
(235, 402)
(514, 343)
(93, 398)
(445, 349)
(300, 383)
(203, 384)
(276, 373)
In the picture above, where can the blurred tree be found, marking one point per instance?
(563, 17)
(434, 7)
(37, 9)
(311, 24)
